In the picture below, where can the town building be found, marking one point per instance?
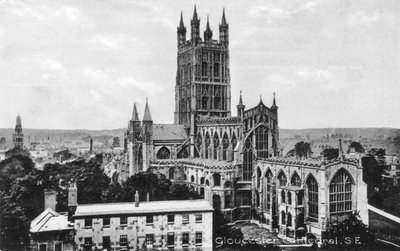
(206, 147)
(18, 136)
(155, 225)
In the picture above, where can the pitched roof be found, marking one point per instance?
(169, 132)
(50, 220)
(154, 207)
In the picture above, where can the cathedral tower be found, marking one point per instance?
(202, 79)
(18, 137)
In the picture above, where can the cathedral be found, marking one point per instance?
(234, 162)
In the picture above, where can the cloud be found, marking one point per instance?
(363, 18)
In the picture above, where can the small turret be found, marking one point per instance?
(135, 114)
(208, 32)
(240, 107)
(181, 30)
(223, 30)
(195, 28)
(274, 107)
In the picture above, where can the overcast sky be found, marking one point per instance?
(81, 64)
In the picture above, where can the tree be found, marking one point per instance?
(146, 183)
(372, 173)
(301, 150)
(357, 147)
(182, 192)
(330, 153)
(351, 233)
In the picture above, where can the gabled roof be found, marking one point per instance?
(169, 132)
(50, 220)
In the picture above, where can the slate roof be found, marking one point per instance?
(169, 132)
(152, 207)
(50, 220)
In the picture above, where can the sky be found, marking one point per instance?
(82, 64)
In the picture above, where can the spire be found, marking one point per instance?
(195, 14)
(135, 114)
(223, 21)
(208, 31)
(147, 115)
(18, 123)
(240, 98)
(274, 103)
(181, 25)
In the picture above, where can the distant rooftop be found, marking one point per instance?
(50, 220)
(152, 207)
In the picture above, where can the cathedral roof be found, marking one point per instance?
(169, 132)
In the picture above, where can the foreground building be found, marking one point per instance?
(146, 225)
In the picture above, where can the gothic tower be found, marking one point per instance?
(202, 79)
(133, 139)
(18, 137)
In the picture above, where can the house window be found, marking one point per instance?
(123, 220)
(185, 238)
(340, 192)
(42, 247)
(185, 219)
(149, 239)
(88, 223)
(123, 240)
(312, 188)
(106, 222)
(58, 246)
(149, 219)
(171, 239)
(171, 219)
(106, 242)
(88, 243)
(199, 218)
(199, 238)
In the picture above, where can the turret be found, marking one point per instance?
(147, 124)
(195, 28)
(274, 107)
(181, 30)
(224, 30)
(208, 32)
(240, 107)
(134, 124)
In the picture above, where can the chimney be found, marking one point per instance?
(148, 197)
(50, 199)
(91, 146)
(72, 200)
(136, 199)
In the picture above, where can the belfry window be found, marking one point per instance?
(340, 193)
(312, 187)
(248, 159)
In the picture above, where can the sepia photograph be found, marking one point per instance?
(199, 125)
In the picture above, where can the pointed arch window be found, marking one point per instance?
(283, 218)
(282, 179)
(171, 172)
(295, 181)
(283, 197)
(217, 179)
(204, 69)
(182, 154)
(207, 142)
(258, 176)
(289, 198)
(269, 175)
(248, 159)
(198, 141)
(340, 193)
(216, 70)
(225, 145)
(163, 153)
(312, 190)
(233, 141)
(262, 142)
(215, 145)
(289, 220)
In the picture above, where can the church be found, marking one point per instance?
(235, 162)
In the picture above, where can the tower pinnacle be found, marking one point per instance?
(135, 114)
(208, 31)
(223, 21)
(195, 18)
(274, 103)
(147, 115)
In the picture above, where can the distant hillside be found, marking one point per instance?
(319, 137)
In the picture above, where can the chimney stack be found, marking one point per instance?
(340, 150)
(72, 200)
(148, 197)
(50, 199)
(137, 198)
(91, 146)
